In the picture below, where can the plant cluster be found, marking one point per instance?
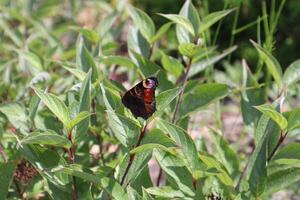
(65, 133)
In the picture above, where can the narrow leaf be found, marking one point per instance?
(271, 63)
(273, 114)
(181, 20)
(211, 19)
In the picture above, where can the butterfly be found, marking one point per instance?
(140, 99)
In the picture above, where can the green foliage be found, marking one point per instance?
(65, 66)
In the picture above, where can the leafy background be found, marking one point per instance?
(227, 120)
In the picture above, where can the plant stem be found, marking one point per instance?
(280, 141)
(182, 91)
(131, 158)
(72, 160)
(185, 79)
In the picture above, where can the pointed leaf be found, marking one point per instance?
(292, 73)
(57, 106)
(180, 20)
(143, 22)
(271, 63)
(46, 138)
(211, 19)
(273, 114)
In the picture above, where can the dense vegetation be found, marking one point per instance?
(226, 125)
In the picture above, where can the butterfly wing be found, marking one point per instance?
(140, 101)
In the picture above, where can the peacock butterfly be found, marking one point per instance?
(140, 99)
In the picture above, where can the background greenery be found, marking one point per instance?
(227, 120)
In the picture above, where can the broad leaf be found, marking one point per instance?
(16, 114)
(201, 96)
(180, 20)
(143, 22)
(165, 191)
(175, 168)
(172, 65)
(46, 138)
(57, 106)
(225, 153)
(294, 120)
(292, 73)
(186, 143)
(273, 114)
(164, 99)
(188, 11)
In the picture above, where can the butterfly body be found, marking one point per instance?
(140, 99)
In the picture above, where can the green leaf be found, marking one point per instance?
(33, 59)
(109, 185)
(186, 143)
(162, 30)
(294, 120)
(149, 146)
(164, 99)
(292, 73)
(271, 63)
(175, 168)
(87, 33)
(256, 171)
(84, 60)
(57, 106)
(187, 49)
(201, 96)
(211, 19)
(165, 191)
(138, 165)
(201, 65)
(143, 22)
(180, 20)
(106, 24)
(76, 72)
(84, 105)
(146, 66)
(137, 44)
(225, 154)
(79, 118)
(146, 195)
(16, 115)
(188, 11)
(221, 173)
(273, 114)
(125, 130)
(117, 60)
(157, 136)
(250, 97)
(172, 65)
(290, 151)
(46, 138)
(6, 176)
(282, 179)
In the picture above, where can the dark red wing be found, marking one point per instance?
(140, 101)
